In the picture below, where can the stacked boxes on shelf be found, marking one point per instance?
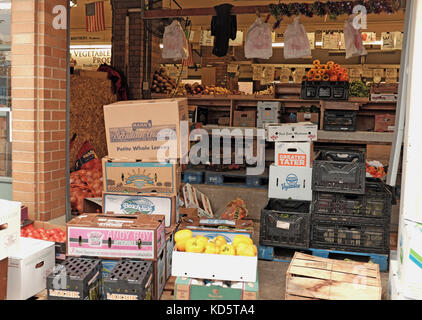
(268, 112)
(349, 212)
(285, 221)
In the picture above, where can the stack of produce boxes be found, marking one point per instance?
(285, 221)
(349, 212)
(141, 173)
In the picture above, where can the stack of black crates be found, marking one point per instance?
(349, 212)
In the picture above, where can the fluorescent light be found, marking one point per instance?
(100, 46)
(161, 45)
(278, 45)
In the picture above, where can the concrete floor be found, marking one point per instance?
(271, 274)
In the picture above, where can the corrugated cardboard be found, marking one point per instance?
(123, 203)
(169, 248)
(290, 183)
(293, 154)
(10, 223)
(208, 76)
(116, 236)
(140, 177)
(3, 278)
(385, 123)
(292, 132)
(146, 129)
(244, 118)
(196, 289)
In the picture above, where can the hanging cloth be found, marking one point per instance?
(223, 28)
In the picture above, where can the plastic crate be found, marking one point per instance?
(325, 90)
(339, 171)
(75, 279)
(285, 223)
(374, 204)
(349, 234)
(130, 280)
(339, 120)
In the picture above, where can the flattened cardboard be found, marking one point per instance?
(142, 129)
(130, 176)
(116, 236)
(196, 199)
(123, 203)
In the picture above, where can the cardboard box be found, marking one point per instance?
(289, 154)
(147, 129)
(140, 177)
(28, 268)
(290, 183)
(292, 132)
(384, 97)
(160, 275)
(196, 199)
(244, 119)
(116, 236)
(394, 287)
(214, 266)
(10, 224)
(75, 279)
(385, 123)
(93, 205)
(267, 112)
(169, 248)
(307, 117)
(208, 76)
(410, 259)
(211, 228)
(3, 278)
(59, 247)
(121, 203)
(197, 289)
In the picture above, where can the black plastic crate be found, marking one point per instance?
(130, 280)
(75, 279)
(339, 171)
(285, 223)
(325, 90)
(374, 204)
(349, 234)
(336, 120)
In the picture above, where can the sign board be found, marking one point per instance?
(90, 59)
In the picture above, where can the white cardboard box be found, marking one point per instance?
(29, 268)
(10, 224)
(410, 259)
(290, 183)
(291, 132)
(394, 287)
(293, 154)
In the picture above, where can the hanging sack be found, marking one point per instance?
(296, 42)
(175, 44)
(258, 43)
(353, 40)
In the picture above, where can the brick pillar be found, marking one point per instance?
(39, 54)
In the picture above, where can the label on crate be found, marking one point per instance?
(122, 243)
(291, 160)
(283, 225)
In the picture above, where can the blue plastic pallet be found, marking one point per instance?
(235, 179)
(193, 177)
(267, 253)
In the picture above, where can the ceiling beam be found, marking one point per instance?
(194, 12)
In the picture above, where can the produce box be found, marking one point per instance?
(147, 130)
(3, 278)
(10, 223)
(385, 123)
(384, 97)
(193, 198)
(307, 117)
(59, 238)
(214, 266)
(121, 203)
(291, 132)
(244, 119)
(315, 278)
(211, 228)
(131, 176)
(208, 76)
(116, 236)
(75, 279)
(268, 112)
(290, 183)
(28, 268)
(290, 154)
(198, 289)
(410, 259)
(130, 280)
(169, 249)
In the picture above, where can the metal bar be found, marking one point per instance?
(192, 12)
(67, 144)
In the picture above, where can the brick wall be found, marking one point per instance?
(39, 57)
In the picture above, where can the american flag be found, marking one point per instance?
(95, 20)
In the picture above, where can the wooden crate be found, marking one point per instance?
(310, 277)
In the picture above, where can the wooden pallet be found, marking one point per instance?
(310, 277)
(168, 293)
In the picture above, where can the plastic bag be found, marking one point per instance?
(353, 40)
(258, 43)
(296, 42)
(175, 44)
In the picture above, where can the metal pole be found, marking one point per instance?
(68, 205)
